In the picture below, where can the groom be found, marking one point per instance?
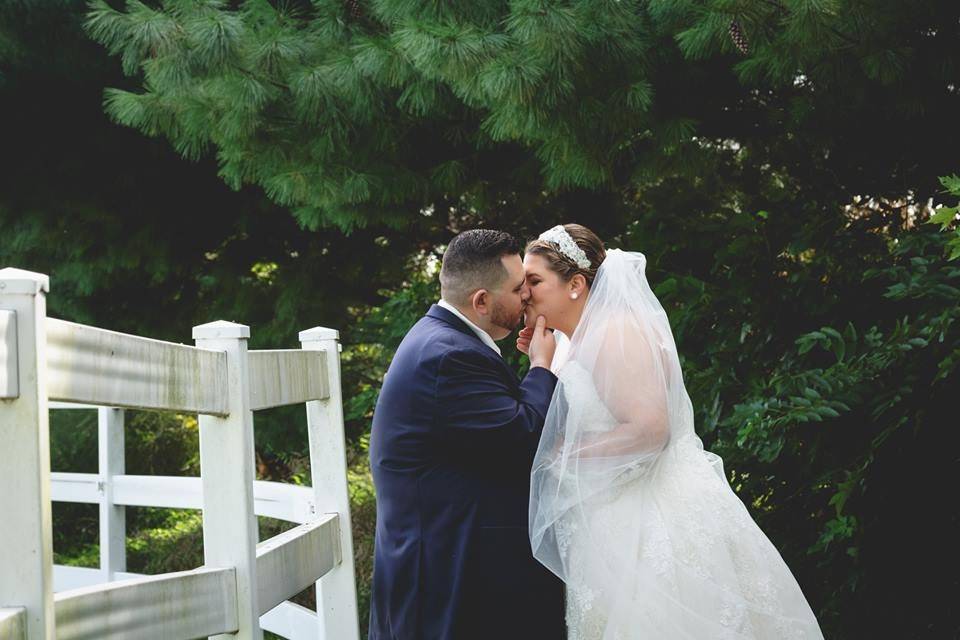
(453, 439)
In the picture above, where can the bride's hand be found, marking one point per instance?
(523, 340)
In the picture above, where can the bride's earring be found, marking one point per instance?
(574, 295)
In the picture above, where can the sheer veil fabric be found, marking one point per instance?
(626, 506)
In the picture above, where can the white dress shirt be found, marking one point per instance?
(483, 335)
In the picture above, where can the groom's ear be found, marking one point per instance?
(480, 301)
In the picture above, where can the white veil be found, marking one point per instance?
(624, 344)
(625, 504)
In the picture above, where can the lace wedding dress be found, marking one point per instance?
(627, 507)
(700, 566)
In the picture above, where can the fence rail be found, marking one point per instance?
(186, 604)
(96, 366)
(287, 502)
(244, 584)
(279, 378)
(13, 622)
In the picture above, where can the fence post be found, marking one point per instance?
(336, 591)
(113, 525)
(26, 547)
(227, 470)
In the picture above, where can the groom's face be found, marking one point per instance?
(508, 300)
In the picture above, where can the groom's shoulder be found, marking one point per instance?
(432, 339)
(429, 335)
(436, 335)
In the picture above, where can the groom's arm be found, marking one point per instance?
(477, 404)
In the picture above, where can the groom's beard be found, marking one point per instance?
(505, 320)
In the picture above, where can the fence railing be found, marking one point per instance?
(244, 585)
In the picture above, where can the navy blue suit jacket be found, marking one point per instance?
(453, 439)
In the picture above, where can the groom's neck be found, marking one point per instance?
(470, 314)
(478, 320)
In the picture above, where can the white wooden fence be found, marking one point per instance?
(244, 585)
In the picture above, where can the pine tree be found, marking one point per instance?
(357, 112)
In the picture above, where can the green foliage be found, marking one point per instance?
(946, 216)
(159, 541)
(825, 388)
(776, 194)
(363, 522)
(175, 543)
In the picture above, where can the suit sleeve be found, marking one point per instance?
(478, 405)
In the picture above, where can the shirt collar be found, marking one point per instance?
(483, 335)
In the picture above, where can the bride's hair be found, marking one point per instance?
(565, 266)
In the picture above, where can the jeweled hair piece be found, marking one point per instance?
(566, 245)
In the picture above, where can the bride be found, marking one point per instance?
(626, 507)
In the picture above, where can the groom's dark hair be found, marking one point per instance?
(472, 261)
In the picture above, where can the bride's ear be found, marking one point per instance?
(577, 286)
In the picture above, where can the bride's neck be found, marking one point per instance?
(569, 324)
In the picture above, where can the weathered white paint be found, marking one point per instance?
(287, 619)
(290, 562)
(284, 501)
(74, 487)
(172, 606)
(70, 405)
(336, 591)
(66, 578)
(26, 566)
(290, 620)
(226, 467)
(284, 377)
(158, 491)
(287, 502)
(9, 382)
(96, 366)
(13, 623)
(21, 282)
(113, 519)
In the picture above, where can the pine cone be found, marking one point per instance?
(354, 9)
(739, 40)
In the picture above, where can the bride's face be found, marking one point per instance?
(549, 295)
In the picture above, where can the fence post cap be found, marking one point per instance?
(319, 333)
(220, 329)
(20, 281)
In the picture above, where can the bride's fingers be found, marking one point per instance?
(523, 345)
